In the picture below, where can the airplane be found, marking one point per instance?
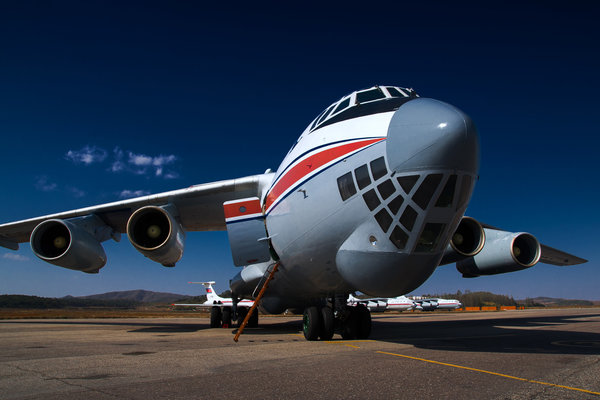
(221, 308)
(381, 304)
(370, 198)
(432, 304)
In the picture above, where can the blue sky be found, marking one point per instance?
(101, 100)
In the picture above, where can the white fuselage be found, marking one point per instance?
(363, 204)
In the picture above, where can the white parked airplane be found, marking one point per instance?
(381, 304)
(432, 304)
(370, 198)
(221, 308)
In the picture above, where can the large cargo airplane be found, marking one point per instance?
(370, 198)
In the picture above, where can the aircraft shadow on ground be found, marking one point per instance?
(152, 327)
(172, 327)
(502, 335)
(493, 335)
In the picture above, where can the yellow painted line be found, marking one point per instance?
(491, 373)
(349, 341)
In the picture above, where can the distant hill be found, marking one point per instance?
(139, 296)
(124, 299)
(477, 299)
(556, 302)
(35, 302)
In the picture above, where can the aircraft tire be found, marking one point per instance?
(241, 314)
(215, 317)
(363, 322)
(253, 321)
(311, 323)
(327, 323)
(226, 317)
(350, 325)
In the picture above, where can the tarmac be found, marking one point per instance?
(528, 354)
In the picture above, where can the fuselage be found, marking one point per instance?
(369, 196)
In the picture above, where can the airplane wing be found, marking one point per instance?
(551, 255)
(200, 208)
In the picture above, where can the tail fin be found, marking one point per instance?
(211, 296)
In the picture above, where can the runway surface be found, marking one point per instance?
(532, 354)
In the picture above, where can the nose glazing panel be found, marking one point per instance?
(415, 211)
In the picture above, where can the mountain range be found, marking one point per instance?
(139, 296)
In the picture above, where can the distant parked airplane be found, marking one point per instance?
(380, 304)
(432, 304)
(221, 308)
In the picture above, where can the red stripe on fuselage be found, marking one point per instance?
(312, 163)
(242, 207)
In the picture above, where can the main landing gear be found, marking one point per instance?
(224, 316)
(352, 322)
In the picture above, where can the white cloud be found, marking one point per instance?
(43, 184)
(126, 161)
(15, 257)
(171, 175)
(126, 194)
(76, 192)
(163, 160)
(87, 155)
(140, 160)
(117, 164)
(144, 164)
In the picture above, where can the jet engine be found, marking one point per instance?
(467, 241)
(67, 244)
(503, 252)
(156, 234)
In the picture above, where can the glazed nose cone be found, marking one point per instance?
(430, 134)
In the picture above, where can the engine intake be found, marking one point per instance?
(156, 234)
(467, 241)
(469, 237)
(66, 244)
(503, 252)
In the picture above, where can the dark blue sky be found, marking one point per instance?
(100, 100)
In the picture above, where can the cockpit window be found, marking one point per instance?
(342, 105)
(395, 92)
(317, 120)
(369, 95)
(375, 100)
(325, 114)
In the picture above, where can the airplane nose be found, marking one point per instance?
(426, 133)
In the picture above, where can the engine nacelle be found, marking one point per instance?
(467, 241)
(68, 245)
(503, 252)
(156, 234)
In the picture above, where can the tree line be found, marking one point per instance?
(23, 301)
(478, 299)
